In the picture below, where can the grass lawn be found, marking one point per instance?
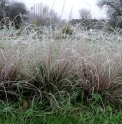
(83, 117)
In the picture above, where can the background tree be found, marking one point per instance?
(114, 11)
(42, 15)
(12, 10)
(3, 6)
(15, 10)
(85, 14)
(3, 3)
(53, 17)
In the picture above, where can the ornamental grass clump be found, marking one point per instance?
(77, 69)
(61, 72)
(99, 71)
(9, 72)
(55, 74)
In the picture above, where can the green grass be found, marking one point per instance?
(94, 115)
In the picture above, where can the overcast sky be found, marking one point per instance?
(73, 5)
